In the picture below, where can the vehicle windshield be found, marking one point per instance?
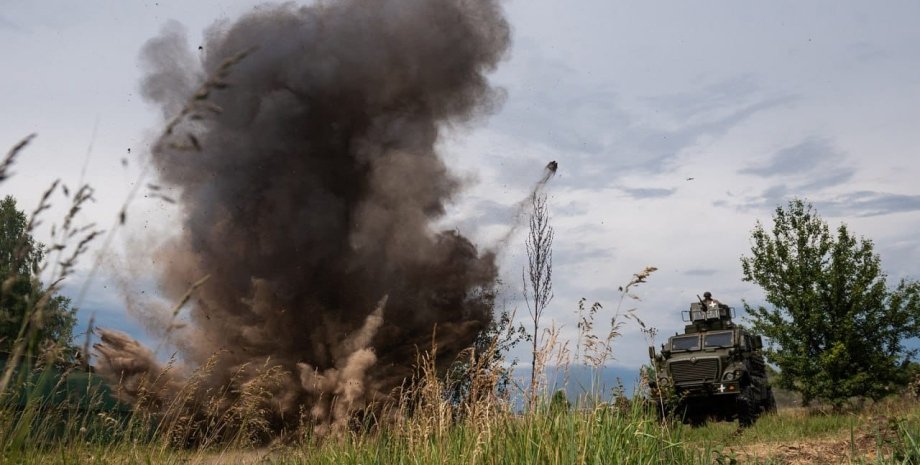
(723, 339)
(685, 342)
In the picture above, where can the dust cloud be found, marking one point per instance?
(307, 196)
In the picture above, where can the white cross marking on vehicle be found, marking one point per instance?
(721, 388)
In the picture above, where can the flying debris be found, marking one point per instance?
(522, 209)
(548, 172)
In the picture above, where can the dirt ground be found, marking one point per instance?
(242, 457)
(863, 445)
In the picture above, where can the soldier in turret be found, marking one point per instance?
(709, 301)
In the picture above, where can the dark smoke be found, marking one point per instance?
(308, 200)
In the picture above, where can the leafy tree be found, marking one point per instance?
(837, 329)
(23, 299)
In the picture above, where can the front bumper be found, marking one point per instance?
(709, 389)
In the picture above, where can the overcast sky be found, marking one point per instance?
(755, 103)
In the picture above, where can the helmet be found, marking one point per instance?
(707, 295)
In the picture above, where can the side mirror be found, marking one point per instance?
(758, 342)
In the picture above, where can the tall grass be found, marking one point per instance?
(604, 434)
(600, 435)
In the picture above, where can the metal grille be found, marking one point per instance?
(685, 371)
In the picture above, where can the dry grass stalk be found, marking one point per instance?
(552, 348)
(174, 313)
(626, 292)
(593, 350)
(10, 159)
(426, 414)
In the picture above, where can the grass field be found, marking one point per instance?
(45, 432)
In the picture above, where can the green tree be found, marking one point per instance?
(837, 329)
(23, 299)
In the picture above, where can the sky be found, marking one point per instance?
(676, 125)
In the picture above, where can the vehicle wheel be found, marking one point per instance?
(747, 407)
(770, 402)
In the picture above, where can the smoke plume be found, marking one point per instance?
(308, 179)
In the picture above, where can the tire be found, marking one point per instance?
(747, 407)
(693, 414)
(770, 402)
(696, 420)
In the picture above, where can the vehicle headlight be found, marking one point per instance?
(729, 375)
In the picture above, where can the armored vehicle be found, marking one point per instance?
(714, 370)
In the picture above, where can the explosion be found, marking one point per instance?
(307, 198)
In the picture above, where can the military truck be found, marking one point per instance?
(714, 370)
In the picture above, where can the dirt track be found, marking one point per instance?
(862, 445)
